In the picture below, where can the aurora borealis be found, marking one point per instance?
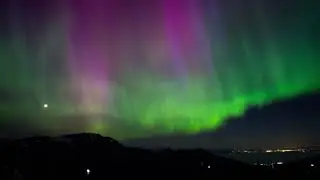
(149, 67)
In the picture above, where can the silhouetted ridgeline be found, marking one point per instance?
(91, 156)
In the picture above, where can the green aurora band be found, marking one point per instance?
(153, 68)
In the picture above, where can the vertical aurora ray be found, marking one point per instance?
(88, 61)
(88, 57)
(175, 26)
(131, 69)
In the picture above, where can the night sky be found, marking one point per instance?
(179, 73)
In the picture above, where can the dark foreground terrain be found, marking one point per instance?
(91, 156)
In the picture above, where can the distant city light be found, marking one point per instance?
(279, 162)
(209, 167)
(88, 171)
(281, 150)
(312, 165)
(45, 105)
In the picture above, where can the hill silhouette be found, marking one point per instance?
(73, 155)
(92, 156)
